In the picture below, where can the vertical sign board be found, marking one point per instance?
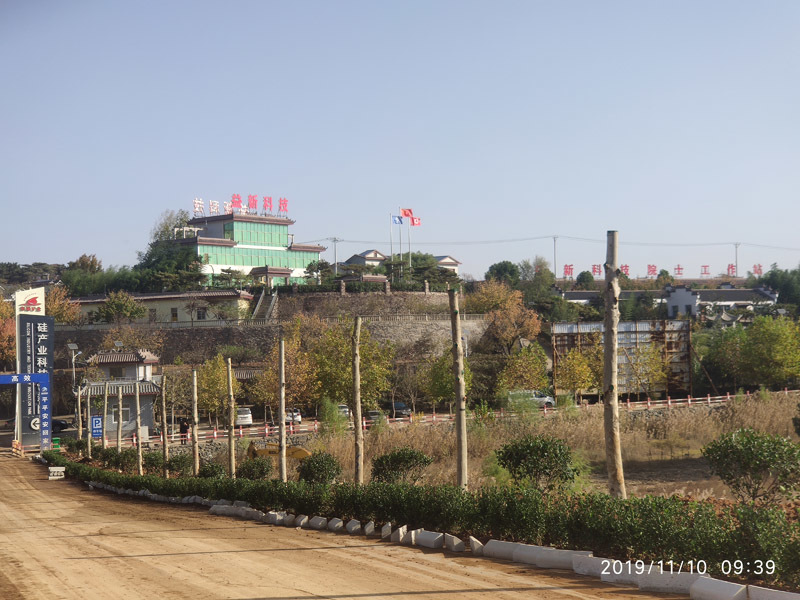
(36, 356)
(43, 381)
(97, 426)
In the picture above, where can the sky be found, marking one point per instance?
(500, 124)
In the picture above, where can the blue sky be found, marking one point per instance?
(671, 122)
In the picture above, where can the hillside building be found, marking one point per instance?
(250, 241)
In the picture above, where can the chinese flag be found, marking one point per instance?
(406, 212)
(415, 221)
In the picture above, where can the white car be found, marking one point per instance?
(293, 415)
(344, 410)
(244, 416)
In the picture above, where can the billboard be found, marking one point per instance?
(35, 338)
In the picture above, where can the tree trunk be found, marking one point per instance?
(461, 394)
(358, 431)
(231, 421)
(282, 412)
(103, 443)
(195, 427)
(139, 469)
(165, 446)
(119, 419)
(616, 478)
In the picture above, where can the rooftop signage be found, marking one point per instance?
(237, 205)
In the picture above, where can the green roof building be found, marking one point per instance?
(257, 245)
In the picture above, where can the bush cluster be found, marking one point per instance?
(649, 528)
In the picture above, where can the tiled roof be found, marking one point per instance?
(146, 388)
(200, 294)
(124, 357)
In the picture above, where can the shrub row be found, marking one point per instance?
(650, 528)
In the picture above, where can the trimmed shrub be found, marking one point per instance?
(180, 464)
(255, 468)
(541, 461)
(755, 465)
(212, 470)
(320, 467)
(401, 465)
(153, 462)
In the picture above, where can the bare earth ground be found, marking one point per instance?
(58, 539)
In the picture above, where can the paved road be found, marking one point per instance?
(58, 539)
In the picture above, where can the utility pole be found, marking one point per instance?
(357, 429)
(616, 477)
(119, 419)
(103, 443)
(736, 260)
(555, 237)
(335, 241)
(282, 411)
(461, 393)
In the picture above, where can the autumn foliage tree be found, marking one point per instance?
(524, 370)
(59, 306)
(212, 385)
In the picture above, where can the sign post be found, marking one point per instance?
(41, 423)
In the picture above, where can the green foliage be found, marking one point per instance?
(153, 462)
(526, 369)
(212, 470)
(402, 465)
(541, 461)
(796, 420)
(239, 354)
(331, 420)
(504, 271)
(320, 467)
(439, 381)
(120, 307)
(255, 468)
(180, 464)
(756, 466)
(648, 528)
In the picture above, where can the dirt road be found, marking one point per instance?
(58, 539)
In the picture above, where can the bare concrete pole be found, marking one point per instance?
(165, 445)
(89, 422)
(616, 478)
(119, 419)
(231, 422)
(139, 468)
(357, 428)
(282, 411)
(103, 442)
(80, 415)
(460, 390)
(195, 427)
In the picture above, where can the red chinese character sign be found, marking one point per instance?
(597, 270)
(625, 270)
(568, 270)
(283, 205)
(652, 271)
(252, 203)
(731, 270)
(199, 209)
(758, 270)
(704, 271)
(236, 202)
(213, 207)
(268, 205)
(678, 270)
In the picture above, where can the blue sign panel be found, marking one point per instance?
(43, 422)
(97, 426)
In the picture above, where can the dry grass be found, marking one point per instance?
(661, 449)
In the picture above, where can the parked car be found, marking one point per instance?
(542, 400)
(375, 416)
(293, 415)
(59, 425)
(344, 410)
(244, 416)
(399, 410)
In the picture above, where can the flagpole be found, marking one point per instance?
(410, 272)
(391, 245)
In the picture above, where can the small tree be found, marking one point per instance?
(255, 468)
(401, 465)
(541, 461)
(527, 369)
(320, 467)
(755, 465)
(120, 307)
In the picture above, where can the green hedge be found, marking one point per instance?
(649, 528)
